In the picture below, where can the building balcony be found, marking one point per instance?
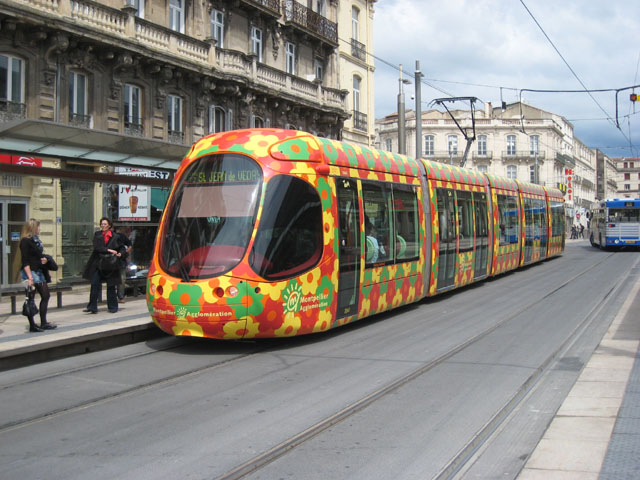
(297, 15)
(360, 121)
(269, 7)
(12, 110)
(358, 50)
(477, 156)
(522, 155)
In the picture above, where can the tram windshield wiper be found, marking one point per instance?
(175, 249)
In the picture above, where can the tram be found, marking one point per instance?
(277, 233)
(616, 223)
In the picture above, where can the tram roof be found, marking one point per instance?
(268, 144)
(451, 173)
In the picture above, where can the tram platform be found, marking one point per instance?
(595, 433)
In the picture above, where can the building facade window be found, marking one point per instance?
(78, 104)
(533, 173)
(355, 23)
(176, 15)
(217, 119)
(511, 144)
(429, 145)
(290, 58)
(482, 168)
(256, 42)
(258, 122)
(174, 118)
(356, 93)
(388, 145)
(133, 109)
(512, 172)
(627, 176)
(322, 7)
(482, 145)
(318, 68)
(452, 141)
(627, 186)
(534, 143)
(138, 5)
(217, 27)
(11, 84)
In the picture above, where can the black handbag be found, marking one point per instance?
(29, 307)
(108, 263)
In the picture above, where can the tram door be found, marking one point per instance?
(482, 235)
(349, 247)
(447, 232)
(530, 228)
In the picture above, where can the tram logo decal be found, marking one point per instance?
(292, 296)
(181, 313)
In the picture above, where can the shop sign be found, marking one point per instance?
(20, 160)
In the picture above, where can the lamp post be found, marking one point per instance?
(418, 75)
(402, 139)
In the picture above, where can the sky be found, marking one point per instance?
(471, 48)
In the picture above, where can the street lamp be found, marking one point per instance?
(402, 147)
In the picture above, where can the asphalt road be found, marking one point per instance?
(462, 385)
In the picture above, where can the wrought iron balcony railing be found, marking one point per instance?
(358, 50)
(298, 14)
(134, 127)
(176, 136)
(12, 110)
(271, 6)
(360, 121)
(79, 120)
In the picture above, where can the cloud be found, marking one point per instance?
(472, 48)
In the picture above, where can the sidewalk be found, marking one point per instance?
(77, 332)
(595, 433)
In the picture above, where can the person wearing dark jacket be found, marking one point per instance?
(105, 243)
(35, 272)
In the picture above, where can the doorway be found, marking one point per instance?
(13, 215)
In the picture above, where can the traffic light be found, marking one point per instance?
(634, 97)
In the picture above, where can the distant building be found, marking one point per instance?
(521, 142)
(606, 177)
(628, 177)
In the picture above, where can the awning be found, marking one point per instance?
(41, 137)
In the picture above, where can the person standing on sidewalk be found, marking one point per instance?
(105, 243)
(34, 263)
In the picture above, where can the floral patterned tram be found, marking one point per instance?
(274, 233)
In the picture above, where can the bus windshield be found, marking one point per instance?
(211, 216)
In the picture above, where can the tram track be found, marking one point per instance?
(256, 463)
(266, 457)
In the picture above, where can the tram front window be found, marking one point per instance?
(289, 237)
(211, 217)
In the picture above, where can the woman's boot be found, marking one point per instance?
(33, 327)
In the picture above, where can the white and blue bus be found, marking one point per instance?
(616, 223)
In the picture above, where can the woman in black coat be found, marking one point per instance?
(35, 272)
(105, 242)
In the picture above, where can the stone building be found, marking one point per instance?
(628, 177)
(355, 31)
(521, 141)
(606, 177)
(99, 99)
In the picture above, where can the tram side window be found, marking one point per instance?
(289, 237)
(557, 219)
(377, 201)
(405, 207)
(465, 221)
(508, 213)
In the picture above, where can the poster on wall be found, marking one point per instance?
(133, 200)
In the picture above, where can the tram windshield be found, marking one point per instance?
(211, 217)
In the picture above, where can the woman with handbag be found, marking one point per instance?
(35, 272)
(104, 266)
